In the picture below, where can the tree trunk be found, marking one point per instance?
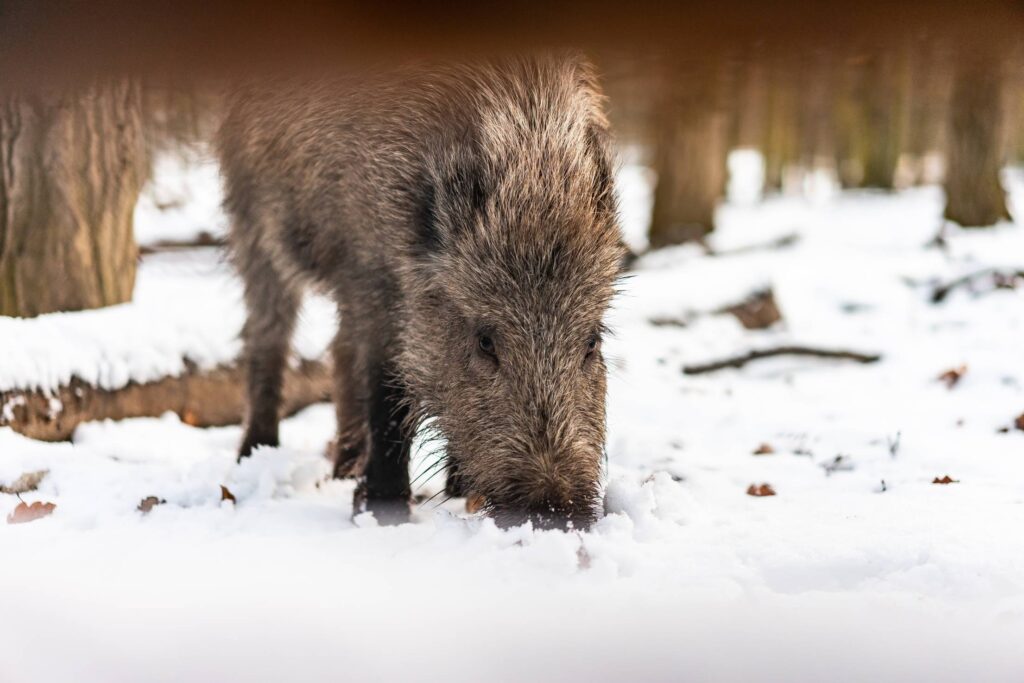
(924, 127)
(781, 137)
(868, 124)
(974, 195)
(690, 162)
(71, 167)
(882, 112)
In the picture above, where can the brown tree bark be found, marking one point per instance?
(975, 152)
(929, 75)
(71, 167)
(868, 122)
(692, 145)
(781, 145)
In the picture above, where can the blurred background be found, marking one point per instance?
(855, 96)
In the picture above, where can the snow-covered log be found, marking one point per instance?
(201, 398)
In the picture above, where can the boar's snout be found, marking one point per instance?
(545, 517)
(554, 504)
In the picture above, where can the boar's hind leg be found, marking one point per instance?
(384, 489)
(273, 306)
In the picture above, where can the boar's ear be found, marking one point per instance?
(448, 203)
(466, 190)
(425, 223)
(603, 187)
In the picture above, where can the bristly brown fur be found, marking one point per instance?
(464, 219)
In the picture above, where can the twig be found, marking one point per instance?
(203, 239)
(740, 361)
(778, 243)
(1002, 279)
(629, 261)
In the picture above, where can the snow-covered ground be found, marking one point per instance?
(858, 569)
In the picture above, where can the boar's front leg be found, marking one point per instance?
(384, 488)
(351, 396)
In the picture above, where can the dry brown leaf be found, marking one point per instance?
(945, 480)
(30, 513)
(764, 449)
(953, 376)
(148, 503)
(25, 483)
(1019, 422)
(226, 495)
(475, 503)
(760, 490)
(757, 311)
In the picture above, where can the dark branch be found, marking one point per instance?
(740, 361)
(1001, 279)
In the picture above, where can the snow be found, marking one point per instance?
(187, 308)
(182, 200)
(838, 577)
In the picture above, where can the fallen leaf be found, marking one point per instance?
(953, 376)
(475, 503)
(1019, 422)
(226, 495)
(25, 483)
(945, 480)
(148, 503)
(29, 513)
(757, 311)
(760, 490)
(764, 449)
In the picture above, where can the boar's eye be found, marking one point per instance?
(486, 345)
(592, 344)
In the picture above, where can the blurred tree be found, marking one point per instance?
(815, 89)
(781, 145)
(868, 121)
(72, 167)
(975, 151)
(178, 113)
(1014, 115)
(749, 101)
(692, 134)
(926, 102)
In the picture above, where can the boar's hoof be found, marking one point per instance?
(388, 511)
(253, 439)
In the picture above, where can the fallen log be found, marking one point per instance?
(203, 239)
(202, 398)
(740, 361)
